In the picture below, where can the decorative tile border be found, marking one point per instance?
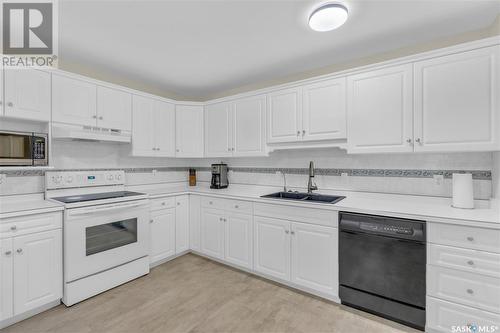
(405, 173)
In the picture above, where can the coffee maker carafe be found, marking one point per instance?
(219, 176)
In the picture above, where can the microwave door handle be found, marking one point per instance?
(105, 209)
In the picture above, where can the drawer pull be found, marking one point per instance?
(470, 262)
(470, 238)
(210, 203)
(286, 231)
(8, 253)
(13, 228)
(151, 221)
(19, 251)
(470, 291)
(163, 203)
(178, 204)
(236, 206)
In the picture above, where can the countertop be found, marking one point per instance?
(19, 205)
(418, 207)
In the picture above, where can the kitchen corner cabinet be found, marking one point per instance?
(189, 131)
(457, 102)
(153, 127)
(236, 128)
(181, 224)
(27, 94)
(312, 112)
(380, 111)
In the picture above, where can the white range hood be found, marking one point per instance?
(88, 133)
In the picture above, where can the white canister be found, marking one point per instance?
(463, 191)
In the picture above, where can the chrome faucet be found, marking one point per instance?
(311, 185)
(285, 188)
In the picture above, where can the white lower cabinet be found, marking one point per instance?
(162, 230)
(37, 270)
(238, 239)
(272, 247)
(30, 267)
(181, 224)
(212, 233)
(315, 257)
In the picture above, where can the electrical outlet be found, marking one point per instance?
(438, 179)
(344, 178)
(154, 172)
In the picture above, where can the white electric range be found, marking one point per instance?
(105, 231)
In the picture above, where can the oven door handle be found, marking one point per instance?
(107, 208)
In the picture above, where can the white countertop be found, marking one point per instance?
(418, 207)
(19, 205)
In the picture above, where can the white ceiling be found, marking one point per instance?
(200, 48)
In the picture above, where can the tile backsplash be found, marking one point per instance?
(335, 169)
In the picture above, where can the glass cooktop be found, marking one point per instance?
(96, 196)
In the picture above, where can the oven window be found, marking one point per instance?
(105, 237)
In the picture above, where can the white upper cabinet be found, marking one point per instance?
(457, 102)
(284, 115)
(114, 109)
(324, 110)
(27, 94)
(249, 126)
(143, 133)
(73, 101)
(380, 110)
(218, 130)
(164, 128)
(189, 130)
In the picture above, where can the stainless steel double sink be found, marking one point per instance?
(305, 197)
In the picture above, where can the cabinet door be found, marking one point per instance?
(27, 94)
(272, 247)
(73, 101)
(114, 109)
(249, 126)
(143, 127)
(212, 233)
(181, 224)
(218, 130)
(6, 275)
(284, 115)
(194, 222)
(379, 113)
(189, 131)
(238, 237)
(37, 270)
(457, 102)
(315, 257)
(324, 110)
(164, 128)
(162, 234)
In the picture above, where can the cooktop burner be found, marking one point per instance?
(96, 196)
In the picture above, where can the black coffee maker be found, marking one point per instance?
(219, 176)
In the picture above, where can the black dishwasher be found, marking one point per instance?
(382, 266)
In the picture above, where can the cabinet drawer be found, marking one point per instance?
(465, 236)
(239, 206)
(31, 223)
(473, 261)
(475, 290)
(211, 202)
(443, 316)
(329, 218)
(162, 203)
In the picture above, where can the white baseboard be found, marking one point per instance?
(27, 314)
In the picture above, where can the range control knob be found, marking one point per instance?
(110, 177)
(118, 177)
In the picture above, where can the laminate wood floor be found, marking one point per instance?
(194, 294)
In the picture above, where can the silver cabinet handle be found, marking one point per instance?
(94, 117)
(100, 118)
(292, 232)
(19, 250)
(287, 231)
(151, 221)
(408, 140)
(210, 203)
(470, 238)
(298, 133)
(163, 203)
(228, 149)
(417, 140)
(177, 150)
(178, 204)
(10, 104)
(8, 253)
(13, 228)
(236, 206)
(303, 132)
(153, 148)
(470, 291)
(1, 102)
(221, 219)
(470, 262)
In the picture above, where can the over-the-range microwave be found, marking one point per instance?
(23, 149)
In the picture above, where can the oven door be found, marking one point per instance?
(15, 149)
(99, 238)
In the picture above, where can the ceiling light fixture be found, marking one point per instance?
(328, 17)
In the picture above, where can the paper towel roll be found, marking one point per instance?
(463, 192)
